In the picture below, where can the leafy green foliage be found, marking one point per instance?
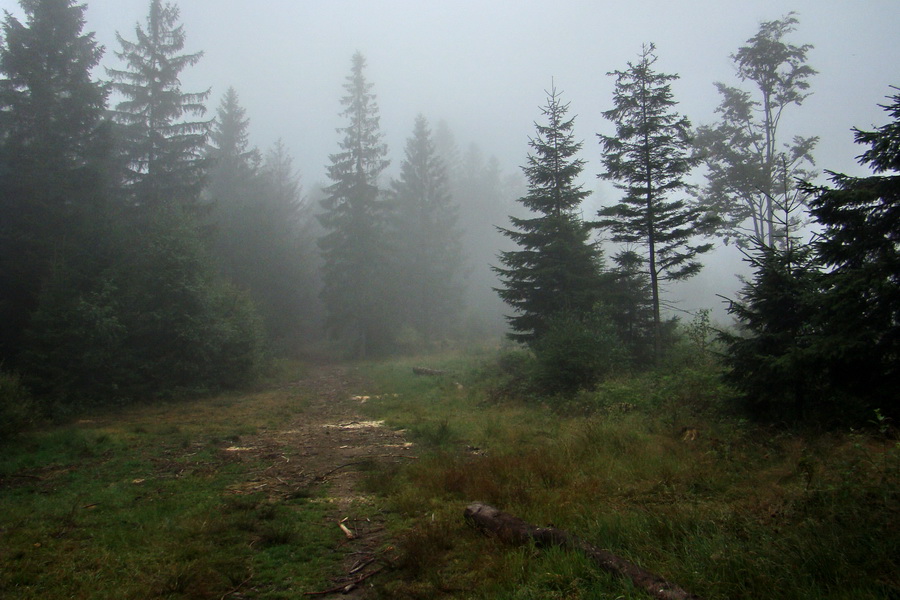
(821, 321)
(775, 363)
(859, 249)
(576, 352)
(156, 321)
(752, 175)
(556, 269)
(17, 408)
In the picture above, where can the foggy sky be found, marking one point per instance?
(483, 66)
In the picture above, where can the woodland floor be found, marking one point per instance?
(330, 446)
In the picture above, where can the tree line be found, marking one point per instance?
(816, 335)
(146, 250)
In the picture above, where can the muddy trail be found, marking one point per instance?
(324, 451)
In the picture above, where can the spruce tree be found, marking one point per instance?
(355, 256)
(648, 159)
(164, 152)
(859, 249)
(555, 272)
(232, 157)
(233, 188)
(53, 153)
(428, 248)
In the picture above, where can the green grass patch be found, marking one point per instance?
(141, 503)
(649, 467)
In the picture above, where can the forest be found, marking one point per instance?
(153, 260)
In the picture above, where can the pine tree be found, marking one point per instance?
(233, 188)
(231, 156)
(648, 158)
(54, 150)
(774, 361)
(859, 248)
(164, 152)
(555, 273)
(629, 306)
(354, 252)
(428, 248)
(751, 179)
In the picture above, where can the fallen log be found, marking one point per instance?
(426, 371)
(513, 530)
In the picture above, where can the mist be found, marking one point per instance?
(479, 71)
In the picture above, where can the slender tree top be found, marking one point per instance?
(230, 137)
(362, 150)
(150, 83)
(778, 68)
(649, 132)
(47, 93)
(884, 152)
(552, 168)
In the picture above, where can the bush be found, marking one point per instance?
(157, 320)
(17, 411)
(576, 353)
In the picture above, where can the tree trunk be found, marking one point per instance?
(513, 530)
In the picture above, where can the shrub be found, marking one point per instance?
(157, 320)
(17, 411)
(576, 353)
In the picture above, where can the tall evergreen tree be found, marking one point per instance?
(775, 362)
(232, 157)
(53, 151)
(484, 201)
(648, 158)
(751, 174)
(555, 272)
(165, 158)
(257, 233)
(233, 186)
(354, 252)
(429, 252)
(859, 248)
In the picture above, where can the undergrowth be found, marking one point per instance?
(147, 503)
(648, 466)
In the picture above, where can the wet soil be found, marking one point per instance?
(324, 452)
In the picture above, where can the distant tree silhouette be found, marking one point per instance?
(355, 251)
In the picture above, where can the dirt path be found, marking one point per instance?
(327, 447)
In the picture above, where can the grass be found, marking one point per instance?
(742, 511)
(143, 503)
(140, 504)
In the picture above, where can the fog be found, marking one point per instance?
(483, 68)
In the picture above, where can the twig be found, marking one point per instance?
(347, 586)
(359, 462)
(235, 589)
(362, 565)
